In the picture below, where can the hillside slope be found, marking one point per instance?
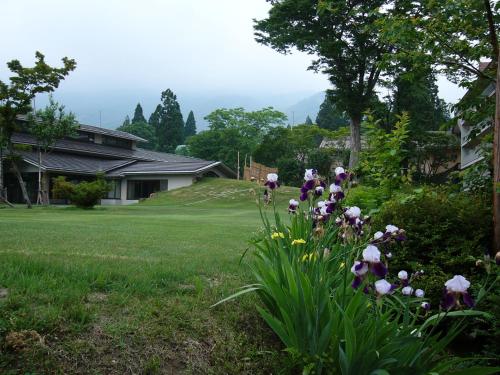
(220, 192)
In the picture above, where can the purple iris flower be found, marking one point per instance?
(456, 288)
(293, 205)
(340, 175)
(272, 181)
(371, 256)
(359, 269)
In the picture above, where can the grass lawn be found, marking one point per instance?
(119, 290)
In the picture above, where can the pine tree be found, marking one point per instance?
(329, 117)
(190, 128)
(170, 132)
(138, 115)
(308, 120)
(126, 122)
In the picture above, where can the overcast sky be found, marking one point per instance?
(187, 45)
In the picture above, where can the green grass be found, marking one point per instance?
(129, 289)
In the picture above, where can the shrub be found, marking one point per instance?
(84, 194)
(447, 235)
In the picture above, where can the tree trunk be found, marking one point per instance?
(17, 172)
(355, 142)
(496, 166)
(39, 197)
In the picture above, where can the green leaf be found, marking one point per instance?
(237, 294)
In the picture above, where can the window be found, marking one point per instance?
(117, 142)
(116, 189)
(138, 189)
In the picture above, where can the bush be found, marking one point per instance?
(84, 194)
(447, 235)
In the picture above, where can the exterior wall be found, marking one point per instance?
(167, 182)
(98, 138)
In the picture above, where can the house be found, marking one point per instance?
(470, 143)
(133, 173)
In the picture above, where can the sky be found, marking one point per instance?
(126, 48)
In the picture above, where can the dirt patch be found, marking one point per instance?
(20, 341)
(97, 297)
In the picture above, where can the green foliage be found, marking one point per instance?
(302, 273)
(447, 235)
(233, 130)
(382, 162)
(329, 117)
(51, 123)
(84, 194)
(320, 159)
(15, 98)
(170, 130)
(290, 171)
(368, 198)
(190, 128)
(308, 121)
(138, 114)
(143, 130)
(345, 40)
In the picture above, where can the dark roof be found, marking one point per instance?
(159, 167)
(104, 151)
(112, 133)
(98, 130)
(71, 163)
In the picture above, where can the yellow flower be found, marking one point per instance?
(309, 257)
(276, 235)
(298, 242)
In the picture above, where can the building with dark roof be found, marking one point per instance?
(133, 173)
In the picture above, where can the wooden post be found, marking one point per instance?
(238, 177)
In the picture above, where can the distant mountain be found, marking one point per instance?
(298, 112)
(109, 108)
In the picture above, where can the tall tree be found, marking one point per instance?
(308, 120)
(15, 100)
(344, 37)
(170, 130)
(138, 114)
(190, 128)
(126, 122)
(49, 125)
(329, 116)
(454, 36)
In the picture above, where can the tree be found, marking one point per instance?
(345, 37)
(454, 36)
(126, 122)
(329, 117)
(15, 100)
(154, 122)
(232, 131)
(138, 115)
(170, 130)
(274, 145)
(308, 121)
(143, 130)
(48, 125)
(190, 128)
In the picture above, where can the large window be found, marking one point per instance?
(138, 189)
(116, 189)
